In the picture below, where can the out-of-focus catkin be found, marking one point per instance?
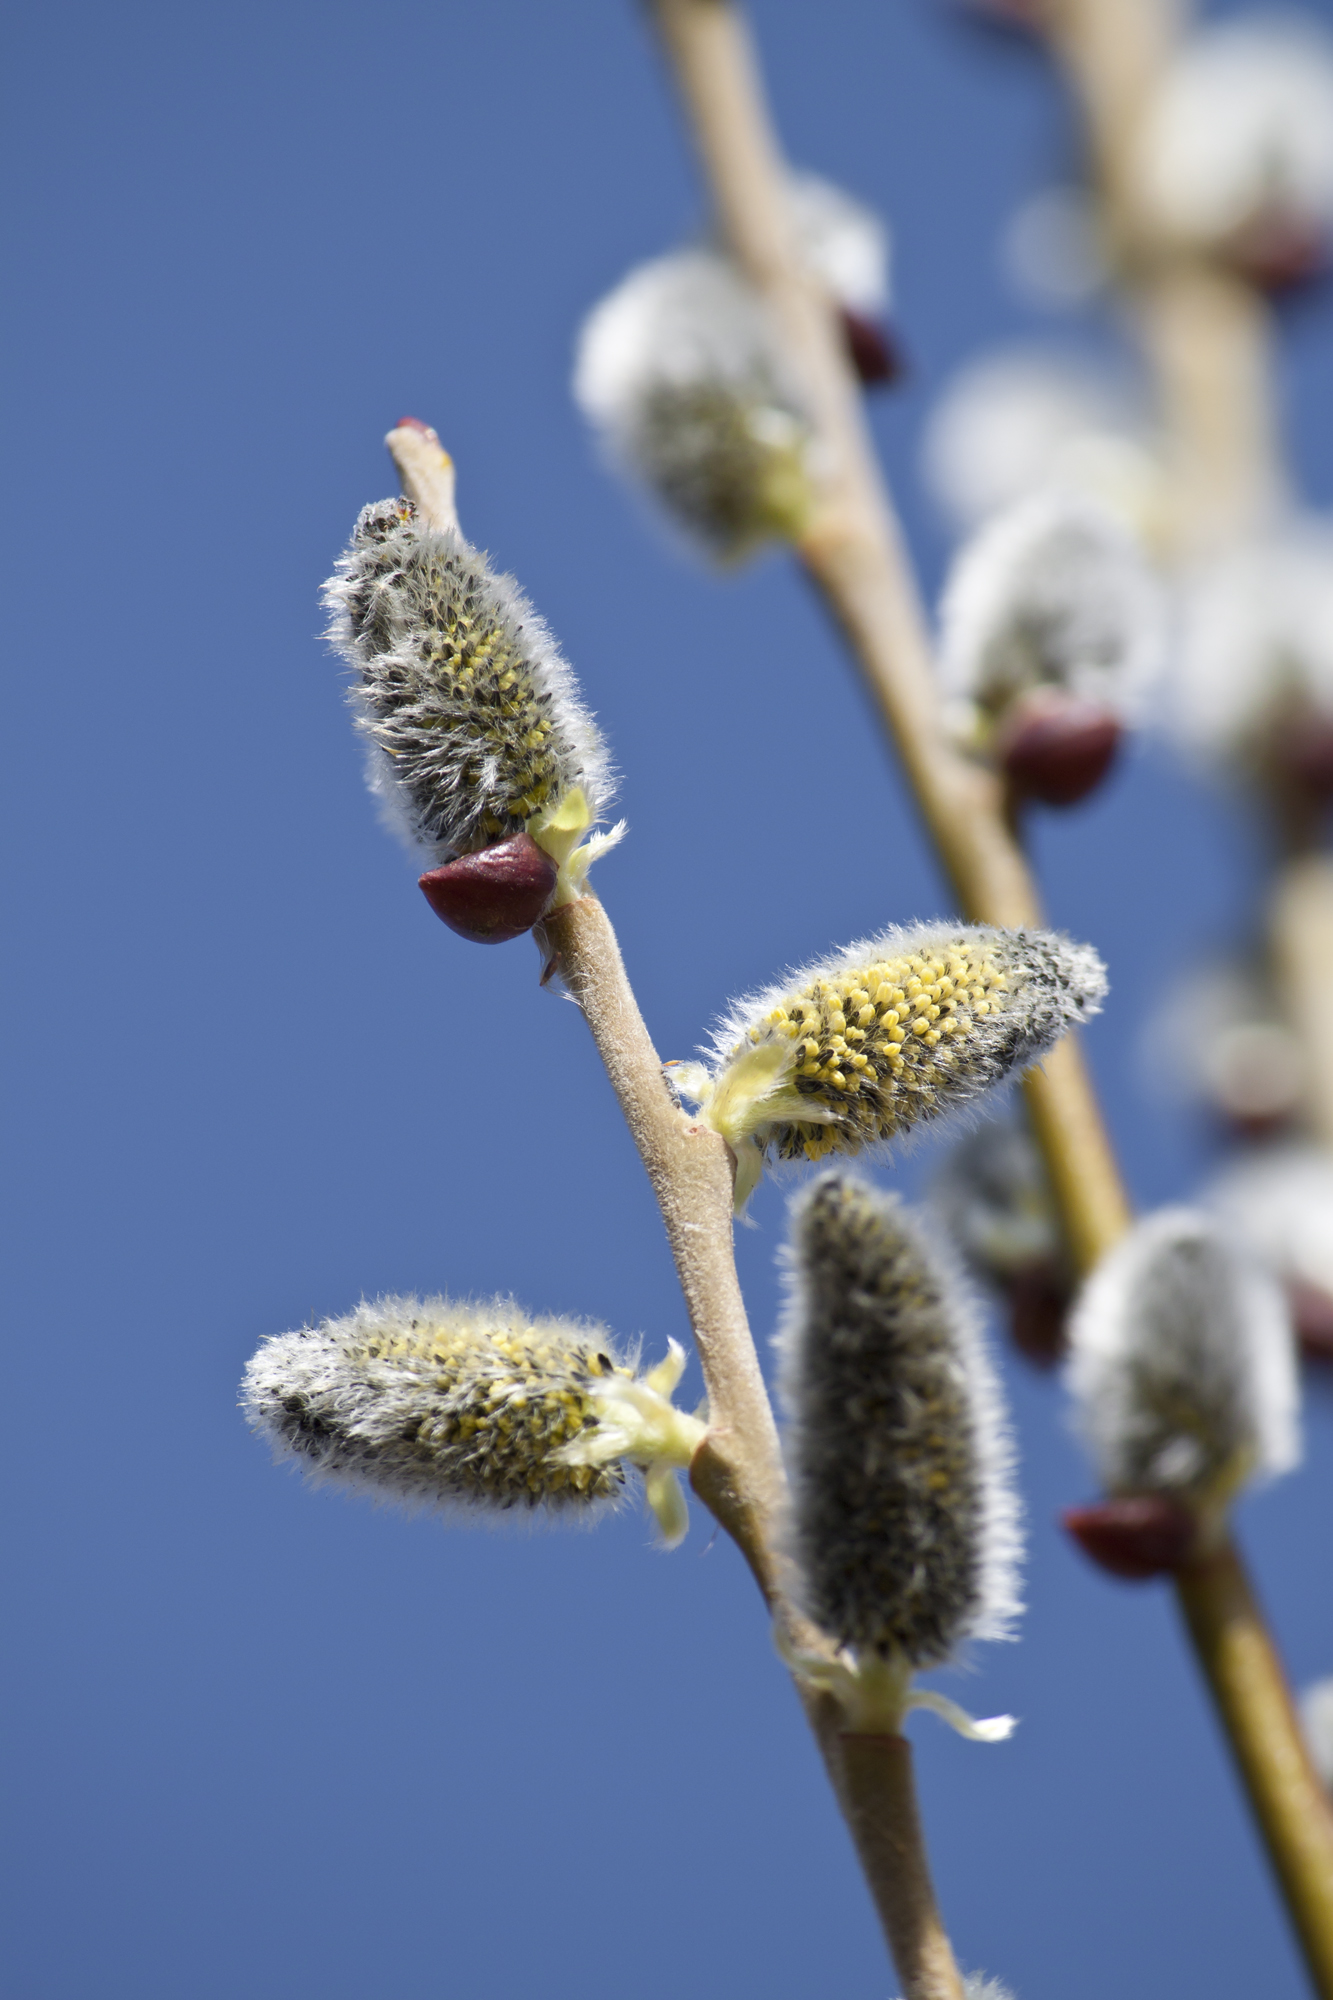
(1182, 1367)
(859, 1048)
(904, 1517)
(434, 1401)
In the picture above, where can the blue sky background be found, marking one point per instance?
(273, 1742)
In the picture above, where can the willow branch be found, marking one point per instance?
(1254, 1703)
(737, 1471)
(1203, 329)
(1301, 941)
(879, 1798)
(853, 553)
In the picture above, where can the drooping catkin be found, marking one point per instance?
(476, 727)
(433, 1401)
(859, 1048)
(1182, 1367)
(904, 1521)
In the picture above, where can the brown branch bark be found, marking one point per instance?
(1245, 1676)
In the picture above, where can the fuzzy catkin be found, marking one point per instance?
(898, 1029)
(679, 372)
(473, 717)
(994, 1200)
(904, 1524)
(1050, 593)
(431, 1401)
(1182, 1365)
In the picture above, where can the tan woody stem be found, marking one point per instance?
(852, 550)
(737, 1471)
(1204, 331)
(1253, 1701)
(1301, 937)
(879, 1799)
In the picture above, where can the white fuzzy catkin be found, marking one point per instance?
(1182, 1364)
(1316, 1709)
(1218, 1036)
(1279, 1200)
(474, 720)
(1256, 646)
(844, 243)
(1242, 129)
(993, 1201)
(904, 1517)
(862, 1046)
(1050, 592)
(436, 1402)
(1028, 418)
(679, 371)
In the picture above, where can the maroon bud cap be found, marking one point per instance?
(495, 895)
(1312, 1317)
(875, 354)
(1135, 1538)
(1038, 1305)
(1303, 754)
(1057, 748)
(414, 424)
(1280, 253)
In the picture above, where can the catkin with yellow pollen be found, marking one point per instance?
(435, 1401)
(476, 728)
(861, 1047)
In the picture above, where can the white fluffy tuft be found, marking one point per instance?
(1051, 591)
(1028, 418)
(1256, 644)
(1182, 1365)
(1242, 129)
(844, 243)
(1280, 1202)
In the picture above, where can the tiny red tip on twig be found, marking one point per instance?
(1134, 1538)
(414, 424)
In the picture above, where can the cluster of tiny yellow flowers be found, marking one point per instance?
(903, 1027)
(439, 1400)
(878, 1043)
(507, 1408)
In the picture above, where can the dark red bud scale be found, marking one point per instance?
(1056, 747)
(1038, 1309)
(1136, 1537)
(414, 424)
(1312, 1317)
(1303, 754)
(876, 355)
(1280, 253)
(494, 895)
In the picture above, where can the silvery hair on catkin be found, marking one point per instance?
(1182, 1364)
(473, 718)
(905, 1520)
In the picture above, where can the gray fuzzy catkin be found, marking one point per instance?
(1182, 1364)
(474, 718)
(994, 1202)
(904, 1521)
(430, 1401)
